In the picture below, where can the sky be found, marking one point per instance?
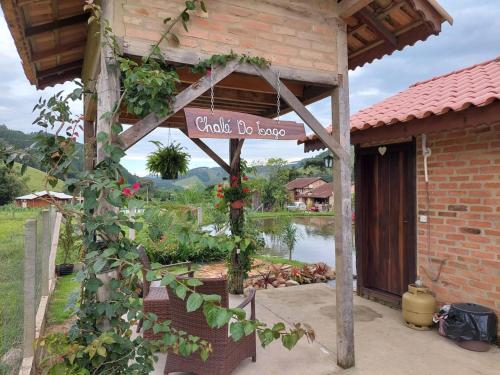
(474, 37)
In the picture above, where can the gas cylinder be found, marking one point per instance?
(419, 306)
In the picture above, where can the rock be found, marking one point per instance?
(291, 283)
(275, 283)
(281, 280)
(330, 275)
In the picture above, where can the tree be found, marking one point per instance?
(10, 185)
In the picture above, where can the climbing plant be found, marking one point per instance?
(100, 341)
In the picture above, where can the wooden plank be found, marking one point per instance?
(56, 24)
(370, 19)
(36, 56)
(343, 212)
(347, 8)
(59, 78)
(137, 47)
(145, 126)
(202, 123)
(60, 69)
(304, 114)
(241, 82)
(237, 154)
(205, 148)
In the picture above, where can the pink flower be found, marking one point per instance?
(121, 180)
(136, 186)
(127, 192)
(245, 178)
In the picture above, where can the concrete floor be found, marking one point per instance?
(384, 345)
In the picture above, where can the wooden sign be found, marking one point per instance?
(201, 123)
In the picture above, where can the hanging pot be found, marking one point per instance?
(170, 176)
(64, 269)
(237, 204)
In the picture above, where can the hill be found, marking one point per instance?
(22, 140)
(34, 180)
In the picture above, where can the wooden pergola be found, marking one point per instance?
(328, 37)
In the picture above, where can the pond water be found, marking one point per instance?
(315, 238)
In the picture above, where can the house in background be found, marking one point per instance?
(42, 199)
(320, 198)
(447, 230)
(302, 185)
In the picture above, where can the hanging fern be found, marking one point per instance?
(168, 161)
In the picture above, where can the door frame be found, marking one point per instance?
(363, 290)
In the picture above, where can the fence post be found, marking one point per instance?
(29, 286)
(131, 231)
(200, 215)
(46, 242)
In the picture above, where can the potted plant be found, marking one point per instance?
(234, 194)
(69, 246)
(168, 161)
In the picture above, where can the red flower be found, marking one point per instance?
(246, 190)
(219, 186)
(245, 178)
(136, 186)
(234, 178)
(127, 192)
(121, 180)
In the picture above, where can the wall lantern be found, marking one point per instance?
(328, 161)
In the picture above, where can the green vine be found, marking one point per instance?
(221, 60)
(100, 340)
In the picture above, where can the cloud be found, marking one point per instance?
(473, 38)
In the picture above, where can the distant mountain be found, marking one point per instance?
(22, 140)
(34, 180)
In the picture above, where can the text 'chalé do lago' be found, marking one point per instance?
(239, 127)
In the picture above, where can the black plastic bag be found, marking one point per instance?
(468, 321)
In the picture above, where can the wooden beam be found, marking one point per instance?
(59, 78)
(60, 69)
(304, 114)
(371, 20)
(137, 47)
(207, 150)
(343, 212)
(64, 48)
(89, 144)
(237, 154)
(145, 126)
(347, 8)
(57, 24)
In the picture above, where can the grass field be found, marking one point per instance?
(11, 279)
(59, 310)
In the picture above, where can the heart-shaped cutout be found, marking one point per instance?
(382, 150)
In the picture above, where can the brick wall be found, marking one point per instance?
(464, 215)
(289, 33)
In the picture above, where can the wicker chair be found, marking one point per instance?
(155, 298)
(227, 354)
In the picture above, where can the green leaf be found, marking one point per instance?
(223, 317)
(249, 327)
(167, 279)
(237, 330)
(151, 276)
(135, 203)
(102, 137)
(181, 291)
(194, 282)
(93, 284)
(99, 265)
(290, 340)
(278, 327)
(211, 298)
(194, 302)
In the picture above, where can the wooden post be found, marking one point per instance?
(46, 242)
(342, 194)
(199, 215)
(30, 242)
(235, 278)
(108, 84)
(89, 143)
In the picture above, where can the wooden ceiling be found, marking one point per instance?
(50, 36)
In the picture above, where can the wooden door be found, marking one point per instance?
(386, 219)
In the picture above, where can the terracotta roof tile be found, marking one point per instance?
(323, 191)
(301, 182)
(477, 85)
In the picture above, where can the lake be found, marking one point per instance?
(315, 238)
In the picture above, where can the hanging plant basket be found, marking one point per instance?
(168, 161)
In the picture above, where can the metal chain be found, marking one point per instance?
(212, 89)
(278, 97)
